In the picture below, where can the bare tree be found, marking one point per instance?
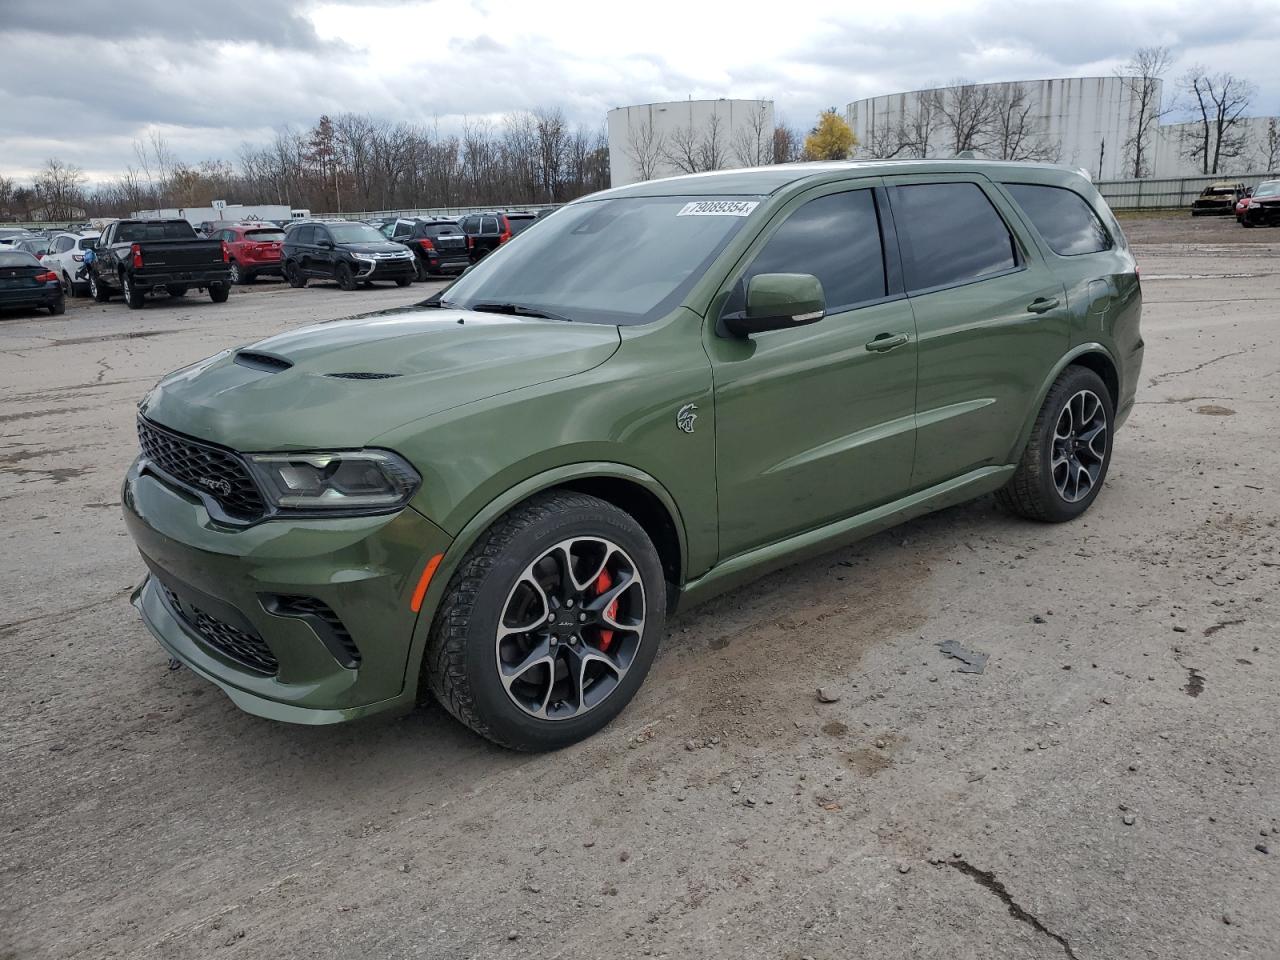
(6, 195)
(886, 141)
(682, 148)
(646, 146)
(1016, 131)
(964, 112)
(552, 133)
(753, 143)
(59, 187)
(1220, 101)
(1269, 148)
(919, 128)
(787, 144)
(712, 146)
(1141, 77)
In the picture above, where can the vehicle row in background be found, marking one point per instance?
(1262, 207)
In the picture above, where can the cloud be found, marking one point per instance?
(213, 75)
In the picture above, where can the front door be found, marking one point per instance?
(992, 321)
(815, 424)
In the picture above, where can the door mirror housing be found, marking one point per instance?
(778, 301)
(324, 244)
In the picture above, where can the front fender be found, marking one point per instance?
(481, 521)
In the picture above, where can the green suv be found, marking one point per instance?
(653, 395)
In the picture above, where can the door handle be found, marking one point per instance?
(887, 341)
(1042, 305)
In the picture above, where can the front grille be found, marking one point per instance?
(246, 649)
(214, 471)
(313, 607)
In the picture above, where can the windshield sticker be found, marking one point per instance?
(718, 208)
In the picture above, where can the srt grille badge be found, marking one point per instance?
(216, 485)
(685, 417)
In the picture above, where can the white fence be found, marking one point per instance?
(1167, 193)
(437, 211)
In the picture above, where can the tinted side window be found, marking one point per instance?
(303, 235)
(949, 233)
(1067, 223)
(488, 224)
(835, 238)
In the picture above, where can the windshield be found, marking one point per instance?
(1219, 192)
(355, 233)
(624, 261)
(1269, 189)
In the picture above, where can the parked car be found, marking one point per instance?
(1263, 207)
(439, 246)
(26, 282)
(8, 235)
(481, 498)
(1219, 199)
(66, 259)
(520, 221)
(487, 231)
(346, 251)
(36, 246)
(252, 250)
(137, 257)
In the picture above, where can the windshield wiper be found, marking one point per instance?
(517, 310)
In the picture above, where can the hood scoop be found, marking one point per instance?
(357, 375)
(262, 361)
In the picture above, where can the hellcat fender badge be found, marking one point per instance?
(685, 417)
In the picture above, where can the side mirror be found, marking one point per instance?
(778, 301)
(324, 244)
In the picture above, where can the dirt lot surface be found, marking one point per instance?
(1108, 788)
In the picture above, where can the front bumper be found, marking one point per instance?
(1263, 216)
(385, 269)
(364, 569)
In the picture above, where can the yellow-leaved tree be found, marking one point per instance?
(830, 139)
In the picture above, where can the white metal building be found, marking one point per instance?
(1088, 120)
(683, 136)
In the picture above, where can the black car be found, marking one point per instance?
(440, 246)
(487, 232)
(349, 252)
(1263, 208)
(26, 282)
(138, 257)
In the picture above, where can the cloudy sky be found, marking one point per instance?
(82, 79)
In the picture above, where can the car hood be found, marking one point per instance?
(384, 247)
(282, 393)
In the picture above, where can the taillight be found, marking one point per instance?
(506, 232)
(226, 252)
(77, 257)
(471, 242)
(136, 252)
(427, 245)
(47, 277)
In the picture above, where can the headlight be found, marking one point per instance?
(350, 480)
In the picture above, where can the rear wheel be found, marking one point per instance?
(236, 275)
(1066, 459)
(218, 292)
(346, 279)
(550, 623)
(66, 284)
(134, 297)
(58, 307)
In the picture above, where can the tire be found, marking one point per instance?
(134, 297)
(236, 277)
(177, 291)
(67, 286)
(294, 276)
(464, 649)
(1245, 223)
(403, 281)
(99, 293)
(218, 292)
(1042, 486)
(59, 307)
(346, 279)
(420, 271)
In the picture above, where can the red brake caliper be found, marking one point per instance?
(603, 583)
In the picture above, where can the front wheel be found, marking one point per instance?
(293, 274)
(1066, 459)
(403, 281)
(550, 623)
(346, 279)
(99, 293)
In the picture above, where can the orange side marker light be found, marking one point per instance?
(425, 581)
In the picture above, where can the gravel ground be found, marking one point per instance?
(1107, 788)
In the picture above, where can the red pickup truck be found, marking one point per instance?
(253, 250)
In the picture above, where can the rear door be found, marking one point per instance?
(992, 320)
(816, 423)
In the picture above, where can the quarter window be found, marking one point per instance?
(837, 239)
(1063, 217)
(950, 233)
